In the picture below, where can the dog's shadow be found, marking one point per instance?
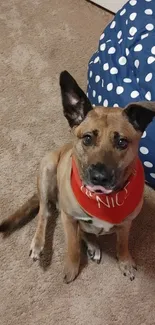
(143, 237)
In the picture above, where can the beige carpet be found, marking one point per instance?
(38, 39)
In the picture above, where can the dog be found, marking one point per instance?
(97, 179)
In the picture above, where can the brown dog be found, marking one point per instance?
(91, 179)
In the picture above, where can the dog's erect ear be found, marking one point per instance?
(76, 105)
(140, 114)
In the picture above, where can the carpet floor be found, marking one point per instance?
(39, 39)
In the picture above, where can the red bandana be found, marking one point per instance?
(113, 207)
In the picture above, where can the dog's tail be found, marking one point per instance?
(23, 215)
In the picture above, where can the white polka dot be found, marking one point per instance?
(148, 95)
(148, 12)
(115, 105)
(127, 80)
(130, 38)
(149, 27)
(96, 59)
(153, 50)
(113, 24)
(133, 31)
(94, 93)
(148, 0)
(90, 74)
(99, 99)
(133, 2)
(112, 50)
(102, 36)
(137, 80)
(144, 134)
(105, 66)
(126, 22)
(122, 60)
(93, 105)
(110, 86)
(119, 34)
(144, 150)
(144, 36)
(138, 48)
(102, 83)
(150, 60)
(136, 63)
(148, 164)
(148, 77)
(109, 40)
(133, 16)
(127, 51)
(105, 103)
(152, 175)
(97, 79)
(102, 47)
(123, 12)
(134, 94)
(113, 70)
(119, 90)
(121, 40)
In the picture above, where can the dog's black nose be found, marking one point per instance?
(99, 175)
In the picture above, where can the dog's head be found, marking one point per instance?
(106, 139)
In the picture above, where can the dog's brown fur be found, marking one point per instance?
(54, 175)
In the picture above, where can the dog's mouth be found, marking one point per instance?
(99, 189)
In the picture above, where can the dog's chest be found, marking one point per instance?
(94, 225)
(100, 227)
(106, 226)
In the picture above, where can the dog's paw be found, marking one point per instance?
(128, 268)
(94, 253)
(36, 249)
(71, 271)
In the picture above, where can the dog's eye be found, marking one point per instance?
(87, 139)
(122, 143)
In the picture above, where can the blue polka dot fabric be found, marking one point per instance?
(122, 70)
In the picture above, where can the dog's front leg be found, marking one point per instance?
(38, 242)
(93, 249)
(73, 242)
(126, 263)
(47, 188)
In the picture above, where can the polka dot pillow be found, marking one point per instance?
(122, 70)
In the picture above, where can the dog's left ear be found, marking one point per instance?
(140, 114)
(76, 105)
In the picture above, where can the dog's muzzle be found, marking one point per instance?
(100, 177)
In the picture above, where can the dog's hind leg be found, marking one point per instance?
(47, 190)
(93, 249)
